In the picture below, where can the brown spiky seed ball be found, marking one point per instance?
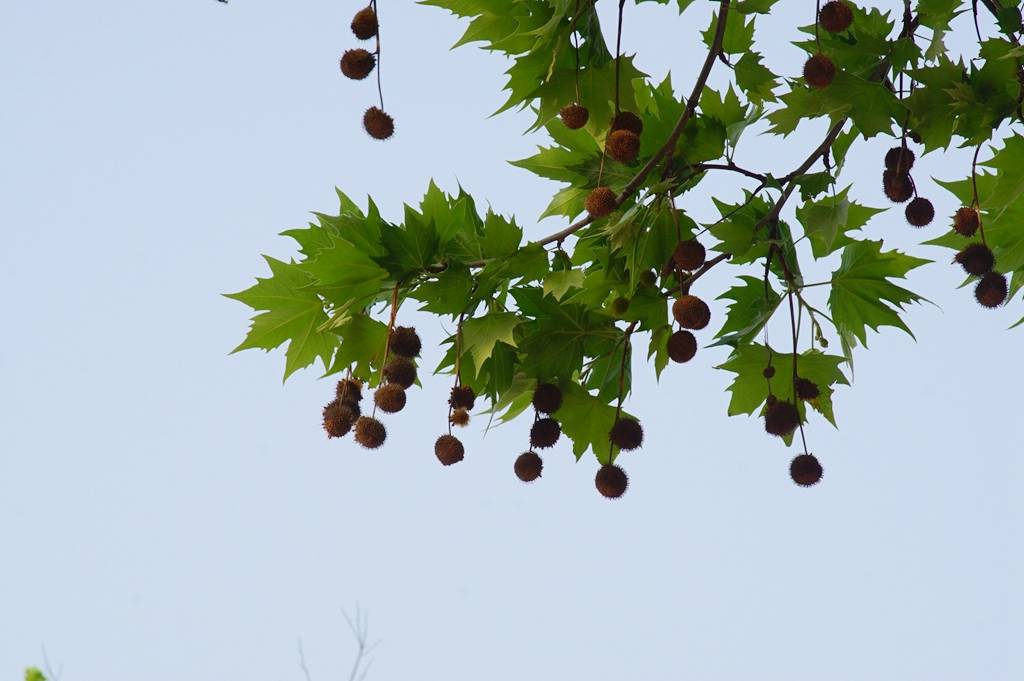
(648, 278)
(575, 116)
(682, 346)
(364, 23)
(898, 187)
(400, 371)
(378, 125)
(627, 120)
(769, 372)
(781, 418)
(899, 159)
(836, 16)
(370, 432)
(390, 398)
(806, 389)
(966, 221)
(600, 202)
(459, 417)
(691, 312)
(623, 145)
(805, 470)
(920, 212)
(976, 259)
(545, 433)
(819, 71)
(349, 390)
(991, 290)
(357, 64)
(547, 398)
(611, 481)
(462, 397)
(619, 306)
(448, 449)
(689, 254)
(626, 434)
(338, 418)
(405, 342)
(528, 466)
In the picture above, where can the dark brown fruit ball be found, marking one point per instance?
(405, 342)
(627, 120)
(601, 202)
(370, 432)
(547, 398)
(920, 212)
(619, 306)
(819, 71)
(897, 186)
(682, 346)
(976, 259)
(648, 278)
(448, 450)
(623, 145)
(545, 433)
(338, 418)
(991, 290)
(806, 389)
(689, 255)
(349, 390)
(574, 116)
(769, 372)
(378, 124)
(899, 159)
(836, 16)
(364, 24)
(691, 312)
(462, 397)
(529, 466)
(390, 398)
(357, 64)
(626, 434)
(781, 418)
(459, 417)
(966, 221)
(400, 371)
(611, 481)
(805, 470)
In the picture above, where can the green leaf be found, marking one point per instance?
(33, 674)
(557, 283)
(448, 293)
(658, 348)
(480, 334)
(827, 222)
(362, 345)
(587, 420)
(754, 303)
(754, 79)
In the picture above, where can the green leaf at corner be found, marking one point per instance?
(827, 221)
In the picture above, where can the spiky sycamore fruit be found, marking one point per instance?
(547, 398)
(806, 389)
(819, 71)
(805, 470)
(691, 312)
(966, 221)
(544, 433)
(405, 342)
(920, 212)
(378, 125)
(626, 434)
(370, 432)
(349, 390)
(682, 346)
(689, 254)
(627, 120)
(836, 16)
(620, 306)
(611, 481)
(448, 449)
(575, 116)
(338, 418)
(781, 418)
(400, 371)
(600, 202)
(390, 398)
(357, 64)
(648, 278)
(364, 24)
(459, 417)
(769, 372)
(528, 466)
(899, 159)
(898, 187)
(623, 145)
(462, 397)
(976, 259)
(991, 290)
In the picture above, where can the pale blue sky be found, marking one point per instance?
(168, 512)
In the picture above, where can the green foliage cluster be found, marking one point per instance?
(551, 310)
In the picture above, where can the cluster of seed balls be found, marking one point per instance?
(358, 63)
(978, 260)
(449, 449)
(835, 17)
(782, 418)
(899, 185)
(689, 311)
